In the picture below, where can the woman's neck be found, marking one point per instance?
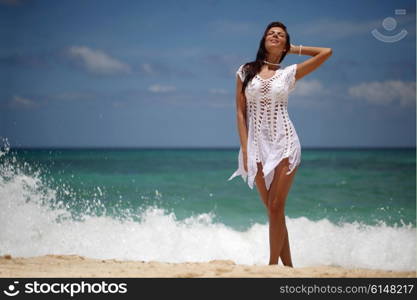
(272, 58)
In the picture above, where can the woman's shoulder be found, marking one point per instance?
(290, 68)
(242, 71)
(289, 76)
(244, 66)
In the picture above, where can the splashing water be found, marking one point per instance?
(33, 221)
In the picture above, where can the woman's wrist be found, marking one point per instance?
(296, 49)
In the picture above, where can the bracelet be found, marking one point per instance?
(299, 53)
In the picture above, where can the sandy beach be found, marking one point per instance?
(78, 266)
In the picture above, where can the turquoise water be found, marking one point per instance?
(350, 208)
(339, 185)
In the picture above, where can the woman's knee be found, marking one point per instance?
(276, 206)
(276, 198)
(285, 164)
(259, 172)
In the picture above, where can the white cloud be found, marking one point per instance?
(98, 62)
(69, 96)
(218, 91)
(148, 68)
(156, 88)
(386, 92)
(188, 52)
(308, 88)
(118, 104)
(342, 28)
(18, 101)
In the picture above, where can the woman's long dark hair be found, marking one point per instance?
(254, 67)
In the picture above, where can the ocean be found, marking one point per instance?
(354, 208)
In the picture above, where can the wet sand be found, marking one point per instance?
(79, 266)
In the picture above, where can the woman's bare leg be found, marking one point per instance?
(278, 234)
(260, 185)
(264, 194)
(286, 252)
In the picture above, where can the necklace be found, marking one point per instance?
(267, 62)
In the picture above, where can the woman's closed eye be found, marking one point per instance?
(281, 35)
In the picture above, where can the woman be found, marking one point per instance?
(270, 151)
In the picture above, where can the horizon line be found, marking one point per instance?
(202, 148)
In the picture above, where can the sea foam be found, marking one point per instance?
(33, 223)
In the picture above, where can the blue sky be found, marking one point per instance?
(162, 73)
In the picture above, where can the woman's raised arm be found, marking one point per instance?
(319, 56)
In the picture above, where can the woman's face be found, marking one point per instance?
(275, 40)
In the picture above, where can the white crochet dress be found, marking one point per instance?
(271, 133)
